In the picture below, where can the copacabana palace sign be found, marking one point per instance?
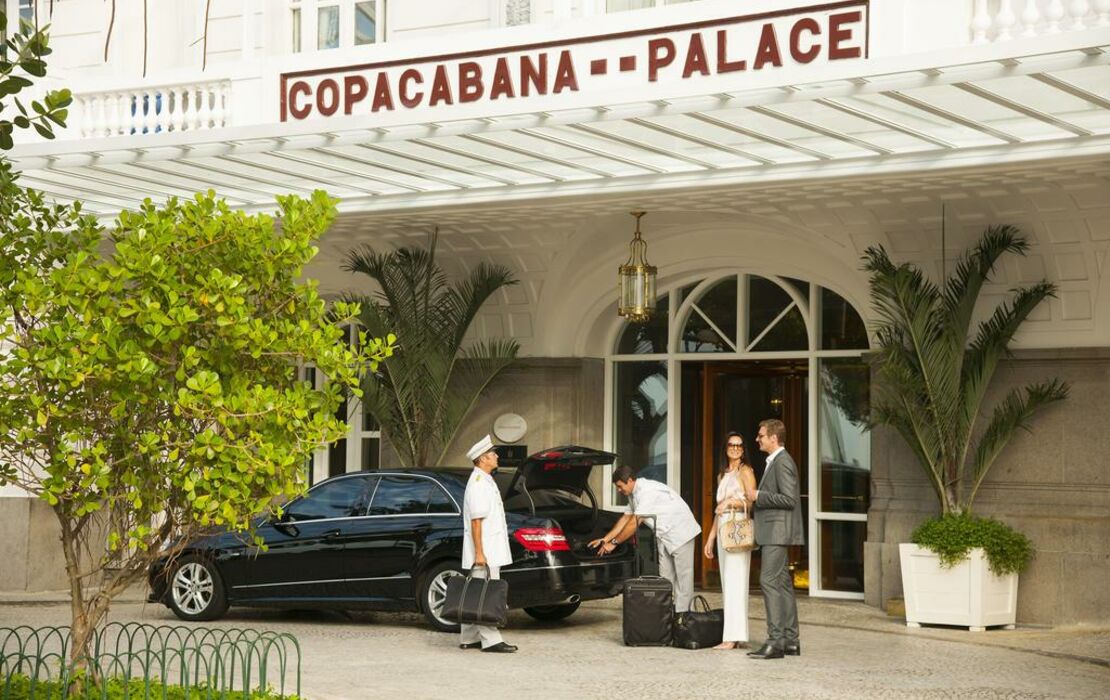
(599, 65)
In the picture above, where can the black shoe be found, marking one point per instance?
(500, 648)
(472, 645)
(792, 649)
(767, 651)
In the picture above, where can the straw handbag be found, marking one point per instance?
(736, 530)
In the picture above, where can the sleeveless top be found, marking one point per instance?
(729, 486)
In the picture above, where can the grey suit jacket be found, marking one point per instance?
(778, 509)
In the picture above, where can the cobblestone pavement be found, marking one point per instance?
(849, 651)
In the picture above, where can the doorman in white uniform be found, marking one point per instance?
(676, 529)
(485, 539)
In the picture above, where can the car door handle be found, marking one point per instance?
(331, 535)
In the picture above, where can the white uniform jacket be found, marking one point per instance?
(483, 500)
(674, 524)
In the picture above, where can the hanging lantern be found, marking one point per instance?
(636, 280)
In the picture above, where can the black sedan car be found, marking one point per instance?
(389, 540)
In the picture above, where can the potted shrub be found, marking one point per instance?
(931, 378)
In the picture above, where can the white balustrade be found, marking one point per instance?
(1030, 18)
(204, 112)
(1003, 20)
(155, 109)
(1053, 14)
(1102, 10)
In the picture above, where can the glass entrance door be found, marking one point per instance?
(736, 396)
(723, 353)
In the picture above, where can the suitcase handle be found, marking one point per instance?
(636, 537)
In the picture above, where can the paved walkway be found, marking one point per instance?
(849, 651)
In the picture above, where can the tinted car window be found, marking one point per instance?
(335, 499)
(439, 501)
(401, 495)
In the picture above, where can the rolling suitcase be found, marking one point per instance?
(648, 609)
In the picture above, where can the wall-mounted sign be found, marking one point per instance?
(509, 427)
(511, 455)
(707, 51)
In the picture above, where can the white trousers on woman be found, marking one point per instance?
(734, 585)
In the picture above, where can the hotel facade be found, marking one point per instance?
(770, 143)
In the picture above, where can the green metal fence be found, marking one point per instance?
(147, 660)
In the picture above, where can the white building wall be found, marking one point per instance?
(174, 29)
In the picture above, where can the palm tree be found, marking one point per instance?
(427, 388)
(932, 380)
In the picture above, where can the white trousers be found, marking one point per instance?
(678, 568)
(735, 569)
(488, 636)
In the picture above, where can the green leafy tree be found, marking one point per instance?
(426, 390)
(149, 393)
(933, 374)
(22, 57)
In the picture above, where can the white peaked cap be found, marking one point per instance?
(480, 448)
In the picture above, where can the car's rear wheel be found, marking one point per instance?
(433, 591)
(196, 591)
(552, 613)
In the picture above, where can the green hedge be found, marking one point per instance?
(19, 688)
(952, 537)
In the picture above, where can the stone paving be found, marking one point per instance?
(849, 651)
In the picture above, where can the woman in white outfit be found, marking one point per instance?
(736, 477)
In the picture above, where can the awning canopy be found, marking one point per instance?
(1047, 106)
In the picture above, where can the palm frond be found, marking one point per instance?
(481, 362)
(461, 302)
(931, 379)
(1012, 413)
(917, 354)
(430, 383)
(991, 345)
(974, 269)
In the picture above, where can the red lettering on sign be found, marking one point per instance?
(327, 97)
(564, 75)
(411, 99)
(470, 82)
(532, 76)
(695, 57)
(723, 64)
(835, 31)
(355, 88)
(839, 34)
(299, 111)
(441, 89)
(768, 51)
(383, 96)
(804, 25)
(660, 55)
(502, 80)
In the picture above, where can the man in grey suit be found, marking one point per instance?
(778, 524)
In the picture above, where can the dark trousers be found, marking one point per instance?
(778, 596)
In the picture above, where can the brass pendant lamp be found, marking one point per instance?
(636, 280)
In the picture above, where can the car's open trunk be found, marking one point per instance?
(554, 485)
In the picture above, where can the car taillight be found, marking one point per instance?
(542, 539)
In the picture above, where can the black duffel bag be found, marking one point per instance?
(477, 601)
(699, 629)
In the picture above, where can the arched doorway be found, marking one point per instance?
(724, 352)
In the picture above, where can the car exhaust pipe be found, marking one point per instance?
(574, 599)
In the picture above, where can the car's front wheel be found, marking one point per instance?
(196, 590)
(433, 591)
(551, 613)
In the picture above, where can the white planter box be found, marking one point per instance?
(967, 595)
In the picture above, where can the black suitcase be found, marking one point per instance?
(648, 609)
(648, 612)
